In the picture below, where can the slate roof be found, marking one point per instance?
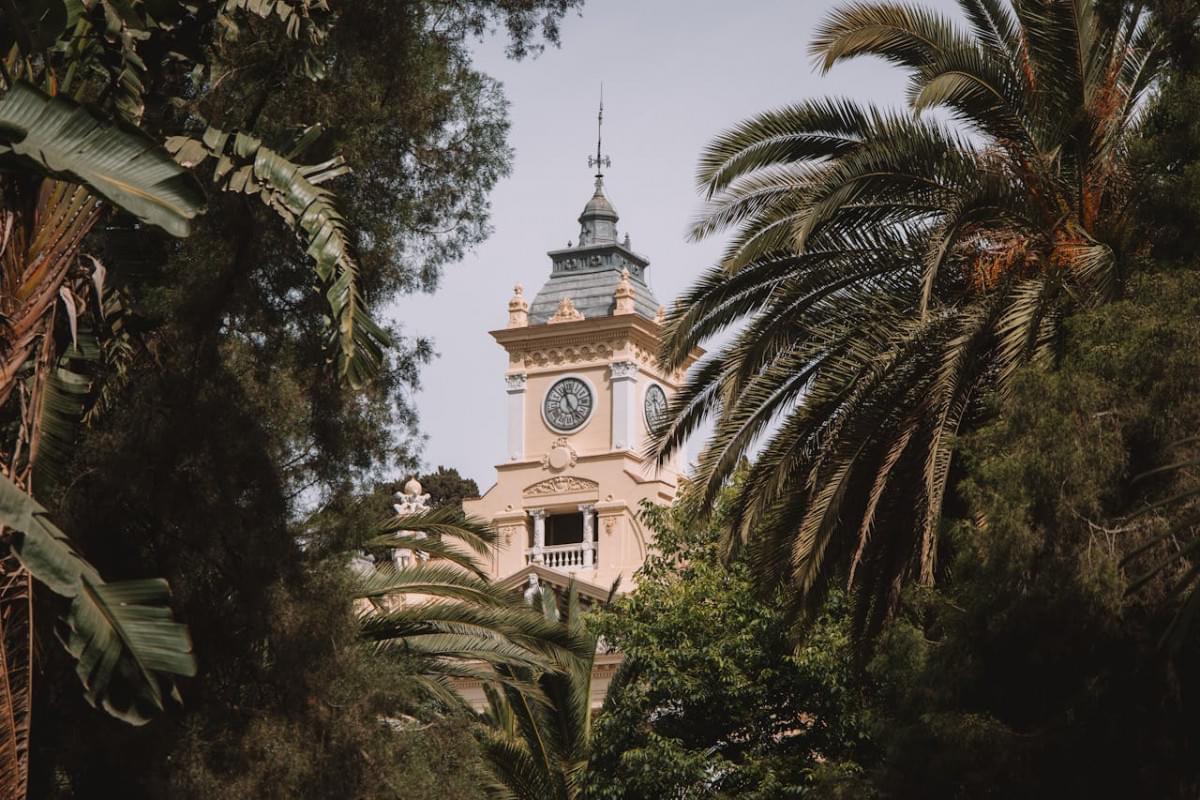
(588, 273)
(592, 293)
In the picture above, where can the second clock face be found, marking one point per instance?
(568, 404)
(655, 406)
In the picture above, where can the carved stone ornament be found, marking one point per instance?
(623, 296)
(624, 369)
(610, 525)
(560, 484)
(567, 312)
(561, 456)
(515, 383)
(518, 308)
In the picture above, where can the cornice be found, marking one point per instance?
(599, 340)
(583, 458)
(580, 331)
(630, 457)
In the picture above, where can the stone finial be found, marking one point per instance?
(412, 499)
(624, 294)
(567, 312)
(660, 316)
(518, 308)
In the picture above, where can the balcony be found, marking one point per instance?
(564, 542)
(562, 556)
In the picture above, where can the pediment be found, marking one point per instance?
(588, 592)
(562, 485)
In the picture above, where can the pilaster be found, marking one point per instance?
(624, 395)
(516, 416)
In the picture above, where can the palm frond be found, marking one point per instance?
(886, 272)
(904, 34)
(536, 751)
(446, 523)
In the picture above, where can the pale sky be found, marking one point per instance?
(675, 73)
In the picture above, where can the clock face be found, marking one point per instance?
(568, 404)
(655, 406)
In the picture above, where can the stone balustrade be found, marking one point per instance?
(561, 557)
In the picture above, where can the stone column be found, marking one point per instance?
(539, 533)
(516, 416)
(589, 535)
(624, 392)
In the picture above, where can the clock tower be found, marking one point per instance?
(583, 390)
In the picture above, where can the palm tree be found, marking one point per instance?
(890, 269)
(540, 750)
(446, 621)
(72, 94)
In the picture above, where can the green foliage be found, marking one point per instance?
(446, 487)
(243, 164)
(1032, 672)
(537, 746)
(716, 699)
(888, 271)
(445, 619)
(1167, 152)
(225, 433)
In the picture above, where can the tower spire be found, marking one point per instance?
(600, 161)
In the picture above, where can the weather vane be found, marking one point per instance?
(599, 161)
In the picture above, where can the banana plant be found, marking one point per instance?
(72, 97)
(61, 163)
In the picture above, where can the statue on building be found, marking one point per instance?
(412, 500)
(533, 591)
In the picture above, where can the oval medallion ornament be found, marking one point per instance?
(559, 458)
(655, 406)
(568, 404)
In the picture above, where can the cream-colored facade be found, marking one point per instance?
(582, 389)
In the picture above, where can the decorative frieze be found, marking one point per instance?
(561, 484)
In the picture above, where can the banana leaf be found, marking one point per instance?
(122, 635)
(63, 139)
